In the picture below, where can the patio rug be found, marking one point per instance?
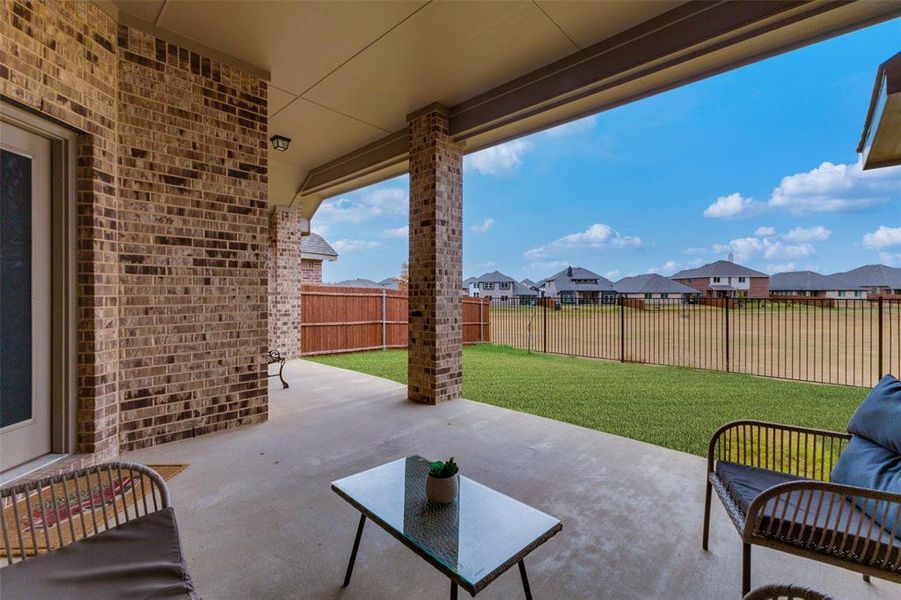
(95, 503)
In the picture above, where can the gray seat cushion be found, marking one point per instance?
(138, 559)
(794, 518)
(745, 483)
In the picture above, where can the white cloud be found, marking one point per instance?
(614, 274)
(502, 159)
(891, 259)
(750, 247)
(483, 226)
(485, 265)
(546, 265)
(671, 266)
(765, 231)
(730, 207)
(775, 250)
(809, 234)
(694, 250)
(596, 237)
(742, 248)
(883, 237)
(835, 188)
(346, 246)
(397, 232)
(572, 128)
(381, 202)
(781, 267)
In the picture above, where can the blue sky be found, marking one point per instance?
(759, 161)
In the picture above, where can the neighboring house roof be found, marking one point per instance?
(494, 277)
(651, 283)
(564, 281)
(390, 282)
(720, 268)
(867, 276)
(523, 290)
(469, 280)
(359, 282)
(870, 276)
(807, 281)
(314, 246)
(528, 283)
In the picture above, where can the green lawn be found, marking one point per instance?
(670, 406)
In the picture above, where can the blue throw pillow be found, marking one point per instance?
(878, 418)
(868, 465)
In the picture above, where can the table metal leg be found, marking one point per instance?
(453, 590)
(525, 580)
(353, 554)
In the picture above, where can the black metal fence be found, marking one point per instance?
(825, 340)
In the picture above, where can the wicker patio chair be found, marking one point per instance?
(785, 592)
(101, 531)
(773, 481)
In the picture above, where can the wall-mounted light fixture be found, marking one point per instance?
(280, 142)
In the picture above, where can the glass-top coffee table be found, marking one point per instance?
(472, 540)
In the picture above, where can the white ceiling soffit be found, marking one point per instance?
(344, 75)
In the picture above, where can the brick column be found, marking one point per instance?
(284, 281)
(435, 363)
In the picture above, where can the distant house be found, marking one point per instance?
(654, 286)
(862, 282)
(575, 285)
(725, 279)
(498, 287)
(358, 282)
(529, 284)
(313, 251)
(391, 283)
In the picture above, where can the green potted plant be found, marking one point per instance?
(441, 484)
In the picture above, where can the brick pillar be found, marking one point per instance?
(435, 363)
(284, 281)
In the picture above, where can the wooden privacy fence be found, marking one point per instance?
(348, 319)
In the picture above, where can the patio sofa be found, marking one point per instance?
(774, 482)
(106, 531)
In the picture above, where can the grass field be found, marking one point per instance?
(674, 407)
(838, 344)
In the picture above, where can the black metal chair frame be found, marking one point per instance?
(275, 357)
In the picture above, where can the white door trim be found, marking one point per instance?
(63, 361)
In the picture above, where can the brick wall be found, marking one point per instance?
(171, 222)
(759, 287)
(702, 284)
(434, 368)
(194, 233)
(285, 281)
(310, 270)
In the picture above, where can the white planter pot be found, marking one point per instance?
(441, 490)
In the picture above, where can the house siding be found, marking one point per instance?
(171, 222)
(760, 287)
(755, 287)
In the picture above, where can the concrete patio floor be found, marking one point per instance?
(259, 520)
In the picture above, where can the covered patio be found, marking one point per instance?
(178, 210)
(259, 520)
